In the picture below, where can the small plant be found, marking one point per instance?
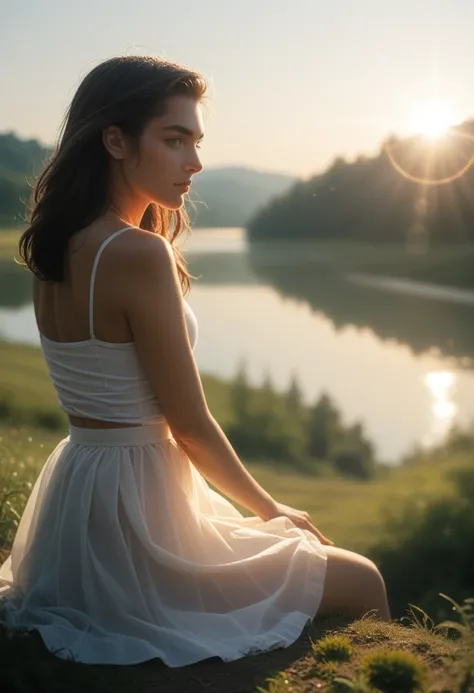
(394, 671)
(333, 648)
(345, 685)
(420, 620)
(466, 628)
(462, 670)
(13, 495)
(277, 684)
(327, 671)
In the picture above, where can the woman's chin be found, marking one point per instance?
(172, 204)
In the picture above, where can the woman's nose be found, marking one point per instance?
(195, 164)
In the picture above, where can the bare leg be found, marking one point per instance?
(353, 586)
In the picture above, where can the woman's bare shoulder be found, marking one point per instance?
(132, 239)
(140, 260)
(135, 250)
(136, 241)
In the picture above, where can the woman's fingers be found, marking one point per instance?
(320, 535)
(303, 520)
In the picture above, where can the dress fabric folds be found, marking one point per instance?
(124, 553)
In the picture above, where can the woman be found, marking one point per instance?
(124, 552)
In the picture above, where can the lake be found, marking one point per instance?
(396, 356)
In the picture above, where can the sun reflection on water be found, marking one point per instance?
(442, 388)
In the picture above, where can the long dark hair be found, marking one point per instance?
(73, 189)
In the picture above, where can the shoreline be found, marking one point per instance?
(412, 287)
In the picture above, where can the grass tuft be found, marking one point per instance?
(333, 648)
(394, 671)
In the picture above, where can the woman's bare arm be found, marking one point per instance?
(151, 293)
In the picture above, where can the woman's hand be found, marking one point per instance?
(300, 518)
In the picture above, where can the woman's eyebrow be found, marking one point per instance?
(184, 131)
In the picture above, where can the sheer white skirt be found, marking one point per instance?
(125, 553)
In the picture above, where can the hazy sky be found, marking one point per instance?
(294, 83)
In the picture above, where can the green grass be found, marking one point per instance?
(23, 373)
(9, 244)
(353, 513)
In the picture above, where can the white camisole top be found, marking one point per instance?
(104, 380)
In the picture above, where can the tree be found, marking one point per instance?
(324, 426)
(294, 396)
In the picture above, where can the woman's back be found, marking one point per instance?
(85, 337)
(63, 309)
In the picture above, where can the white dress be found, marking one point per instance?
(124, 553)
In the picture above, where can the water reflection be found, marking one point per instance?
(442, 389)
(425, 325)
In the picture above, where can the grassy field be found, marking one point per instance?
(23, 373)
(9, 244)
(351, 513)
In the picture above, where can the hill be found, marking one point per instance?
(231, 196)
(413, 192)
(222, 196)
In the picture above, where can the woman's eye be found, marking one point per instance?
(175, 140)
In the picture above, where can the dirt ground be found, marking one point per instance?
(26, 667)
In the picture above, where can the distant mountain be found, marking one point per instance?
(222, 196)
(232, 195)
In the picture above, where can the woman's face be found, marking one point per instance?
(168, 156)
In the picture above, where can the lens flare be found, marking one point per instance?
(433, 121)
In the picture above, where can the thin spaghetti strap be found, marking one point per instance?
(94, 272)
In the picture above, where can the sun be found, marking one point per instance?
(433, 121)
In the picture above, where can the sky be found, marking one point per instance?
(293, 83)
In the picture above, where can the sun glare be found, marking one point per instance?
(433, 121)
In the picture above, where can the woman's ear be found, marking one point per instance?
(114, 142)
